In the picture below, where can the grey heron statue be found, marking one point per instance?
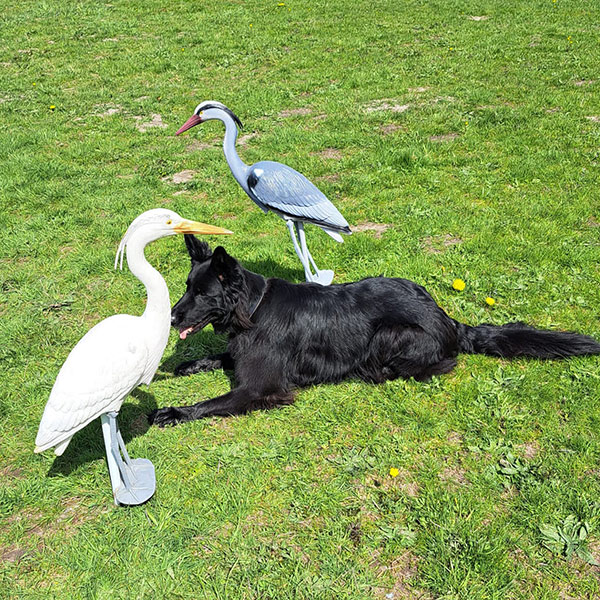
(278, 188)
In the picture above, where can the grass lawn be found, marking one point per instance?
(463, 138)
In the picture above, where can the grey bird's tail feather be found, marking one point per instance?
(517, 339)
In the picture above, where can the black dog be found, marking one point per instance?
(284, 336)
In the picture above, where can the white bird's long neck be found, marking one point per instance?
(238, 168)
(158, 304)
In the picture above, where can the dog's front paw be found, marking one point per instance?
(195, 366)
(161, 417)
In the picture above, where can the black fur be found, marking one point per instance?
(284, 336)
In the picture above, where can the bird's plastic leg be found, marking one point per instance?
(133, 481)
(124, 471)
(307, 272)
(324, 277)
(122, 446)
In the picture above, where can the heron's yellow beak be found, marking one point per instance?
(195, 227)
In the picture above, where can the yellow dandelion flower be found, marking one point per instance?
(281, 4)
(394, 472)
(459, 284)
(490, 301)
(52, 107)
(34, 83)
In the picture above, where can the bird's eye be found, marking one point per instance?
(201, 113)
(169, 222)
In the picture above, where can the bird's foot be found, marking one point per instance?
(141, 486)
(323, 277)
(170, 415)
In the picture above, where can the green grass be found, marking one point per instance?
(298, 502)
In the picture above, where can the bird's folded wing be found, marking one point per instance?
(100, 371)
(281, 188)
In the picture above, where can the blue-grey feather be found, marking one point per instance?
(284, 190)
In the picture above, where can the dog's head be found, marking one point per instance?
(216, 292)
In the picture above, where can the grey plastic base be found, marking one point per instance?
(323, 277)
(143, 483)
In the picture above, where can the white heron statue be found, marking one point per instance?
(279, 188)
(113, 358)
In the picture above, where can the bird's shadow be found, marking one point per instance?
(270, 268)
(87, 444)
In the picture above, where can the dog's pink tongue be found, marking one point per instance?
(183, 334)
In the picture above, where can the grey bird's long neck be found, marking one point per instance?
(238, 168)
(158, 304)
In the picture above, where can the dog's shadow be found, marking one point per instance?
(87, 444)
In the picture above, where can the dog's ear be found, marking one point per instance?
(231, 275)
(225, 266)
(198, 251)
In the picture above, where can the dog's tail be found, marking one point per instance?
(517, 339)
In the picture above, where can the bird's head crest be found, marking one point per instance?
(208, 104)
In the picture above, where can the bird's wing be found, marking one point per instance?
(106, 364)
(286, 191)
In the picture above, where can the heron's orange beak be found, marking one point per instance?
(191, 122)
(202, 228)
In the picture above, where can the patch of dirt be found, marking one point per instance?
(11, 473)
(436, 244)
(142, 98)
(444, 137)
(453, 475)
(593, 222)
(444, 99)
(320, 117)
(181, 177)
(455, 438)
(331, 177)
(115, 39)
(594, 118)
(418, 90)
(581, 82)
(156, 121)
(328, 153)
(401, 570)
(181, 192)
(535, 41)
(391, 128)
(530, 449)
(552, 110)
(385, 104)
(293, 112)
(378, 228)
(195, 145)
(225, 217)
(244, 139)
(481, 18)
(12, 554)
(108, 109)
